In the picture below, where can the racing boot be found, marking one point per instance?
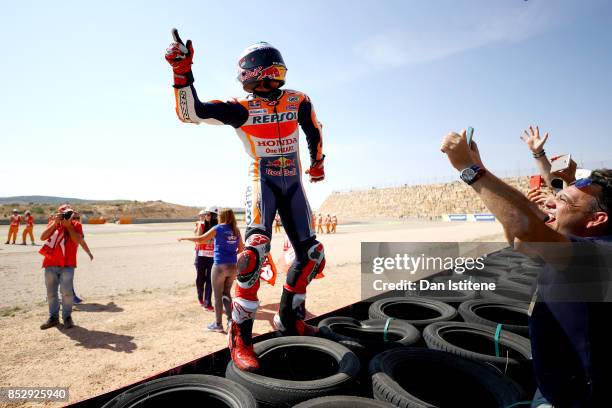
(241, 346)
(304, 329)
(310, 261)
(289, 321)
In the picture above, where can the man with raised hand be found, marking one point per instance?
(266, 121)
(570, 311)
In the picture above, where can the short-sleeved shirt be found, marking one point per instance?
(226, 245)
(29, 220)
(70, 249)
(569, 326)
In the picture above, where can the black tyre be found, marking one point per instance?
(446, 296)
(498, 261)
(420, 378)
(526, 282)
(524, 270)
(417, 311)
(297, 368)
(510, 255)
(476, 342)
(463, 277)
(182, 391)
(510, 294)
(342, 401)
(370, 334)
(513, 316)
(488, 272)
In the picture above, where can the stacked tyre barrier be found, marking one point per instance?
(513, 273)
(454, 349)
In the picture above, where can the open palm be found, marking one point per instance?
(533, 140)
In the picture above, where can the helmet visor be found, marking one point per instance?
(262, 57)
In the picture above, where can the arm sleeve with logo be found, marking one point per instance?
(312, 128)
(189, 109)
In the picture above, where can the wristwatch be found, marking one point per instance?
(471, 174)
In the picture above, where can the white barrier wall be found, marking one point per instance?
(469, 217)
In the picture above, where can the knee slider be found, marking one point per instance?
(305, 269)
(256, 249)
(316, 254)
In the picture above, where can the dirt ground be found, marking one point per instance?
(141, 315)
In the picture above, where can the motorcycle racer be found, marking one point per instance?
(266, 121)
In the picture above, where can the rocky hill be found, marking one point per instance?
(42, 206)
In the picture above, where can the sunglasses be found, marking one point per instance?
(582, 183)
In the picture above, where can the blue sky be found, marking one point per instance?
(86, 108)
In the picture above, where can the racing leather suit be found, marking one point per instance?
(267, 124)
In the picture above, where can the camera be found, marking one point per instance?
(67, 215)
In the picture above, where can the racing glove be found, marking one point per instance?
(316, 171)
(180, 57)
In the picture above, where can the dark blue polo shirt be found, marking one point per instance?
(569, 328)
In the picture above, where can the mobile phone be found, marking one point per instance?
(560, 163)
(535, 182)
(469, 134)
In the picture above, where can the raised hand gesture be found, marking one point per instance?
(533, 140)
(180, 56)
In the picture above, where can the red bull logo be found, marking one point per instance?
(281, 163)
(273, 72)
(282, 172)
(249, 74)
(281, 167)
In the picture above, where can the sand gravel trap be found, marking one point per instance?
(141, 315)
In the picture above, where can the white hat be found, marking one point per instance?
(202, 212)
(213, 210)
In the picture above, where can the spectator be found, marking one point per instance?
(228, 242)
(314, 221)
(327, 224)
(566, 177)
(77, 217)
(320, 224)
(536, 146)
(62, 237)
(15, 220)
(29, 228)
(204, 258)
(277, 223)
(569, 337)
(334, 223)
